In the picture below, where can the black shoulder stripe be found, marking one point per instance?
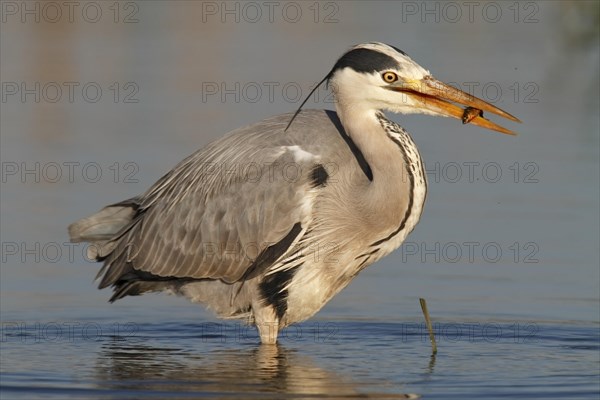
(269, 255)
(360, 158)
(272, 286)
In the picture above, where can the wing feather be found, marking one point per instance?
(199, 221)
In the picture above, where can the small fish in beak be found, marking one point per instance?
(470, 114)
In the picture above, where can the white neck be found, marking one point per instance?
(398, 171)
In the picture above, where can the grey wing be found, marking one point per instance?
(220, 213)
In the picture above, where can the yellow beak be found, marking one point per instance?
(437, 96)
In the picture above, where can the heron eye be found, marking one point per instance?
(389, 77)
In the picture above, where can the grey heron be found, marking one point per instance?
(314, 198)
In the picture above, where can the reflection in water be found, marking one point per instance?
(261, 371)
(431, 365)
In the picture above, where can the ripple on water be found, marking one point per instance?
(315, 359)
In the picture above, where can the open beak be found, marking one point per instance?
(439, 97)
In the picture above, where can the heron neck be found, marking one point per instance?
(398, 173)
(366, 131)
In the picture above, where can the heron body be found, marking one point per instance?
(271, 221)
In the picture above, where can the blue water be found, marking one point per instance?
(506, 252)
(191, 359)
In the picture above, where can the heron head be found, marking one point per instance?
(376, 76)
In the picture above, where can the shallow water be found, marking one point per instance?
(190, 359)
(506, 253)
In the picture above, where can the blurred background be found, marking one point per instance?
(99, 99)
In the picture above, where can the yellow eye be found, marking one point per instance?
(389, 77)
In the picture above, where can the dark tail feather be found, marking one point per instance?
(140, 282)
(134, 288)
(104, 231)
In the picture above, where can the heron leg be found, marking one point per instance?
(267, 323)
